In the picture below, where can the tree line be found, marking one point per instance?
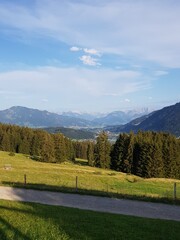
(145, 154)
(37, 143)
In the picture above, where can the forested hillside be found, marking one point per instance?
(166, 120)
(146, 154)
(39, 144)
(72, 133)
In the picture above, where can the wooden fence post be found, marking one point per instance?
(24, 179)
(174, 191)
(76, 183)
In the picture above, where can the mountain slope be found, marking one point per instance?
(166, 119)
(35, 118)
(117, 118)
(24, 116)
(72, 133)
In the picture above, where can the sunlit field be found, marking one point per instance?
(78, 177)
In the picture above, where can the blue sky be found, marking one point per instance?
(93, 56)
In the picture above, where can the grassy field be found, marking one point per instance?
(35, 221)
(62, 177)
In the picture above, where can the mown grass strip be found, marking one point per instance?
(35, 221)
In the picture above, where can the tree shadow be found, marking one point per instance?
(15, 232)
(39, 219)
(31, 229)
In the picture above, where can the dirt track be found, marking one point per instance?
(100, 204)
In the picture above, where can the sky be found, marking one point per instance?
(89, 56)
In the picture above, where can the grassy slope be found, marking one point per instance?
(90, 180)
(35, 221)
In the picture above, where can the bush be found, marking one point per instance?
(12, 154)
(36, 158)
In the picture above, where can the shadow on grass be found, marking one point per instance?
(29, 221)
(64, 189)
(15, 233)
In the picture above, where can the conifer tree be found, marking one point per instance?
(59, 147)
(102, 151)
(117, 153)
(47, 151)
(90, 154)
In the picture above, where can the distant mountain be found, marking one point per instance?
(82, 115)
(117, 118)
(166, 120)
(35, 118)
(24, 116)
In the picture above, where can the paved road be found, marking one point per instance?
(100, 204)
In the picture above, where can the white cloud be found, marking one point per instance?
(45, 80)
(127, 100)
(147, 30)
(75, 49)
(160, 73)
(72, 88)
(88, 60)
(92, 51)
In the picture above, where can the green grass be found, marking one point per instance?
(42, 222)
(62, 177)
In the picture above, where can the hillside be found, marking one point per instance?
(118, 117)
(23, 116)
(166, 120)
(72, 133)
(91, 180)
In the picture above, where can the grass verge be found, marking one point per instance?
(35, 221)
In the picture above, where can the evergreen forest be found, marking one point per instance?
(145, 154)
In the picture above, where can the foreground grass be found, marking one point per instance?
(62, 177)
(35, 221)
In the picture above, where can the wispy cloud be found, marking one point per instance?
(160, 73)
(65, 81)
(147, 30)
(75, 49)
(92, 51)
(88, 60)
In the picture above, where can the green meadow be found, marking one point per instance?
(90, 180)
(29, 221)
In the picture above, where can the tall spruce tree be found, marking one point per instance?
(102, 151)
(90, 154)
(117, 153)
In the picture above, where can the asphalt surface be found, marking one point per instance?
(99, 204)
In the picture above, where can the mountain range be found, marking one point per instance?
(166, 119)
(24, 116)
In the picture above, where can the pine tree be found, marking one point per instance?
(59, 147)
(47, 150)
(5, 142)
(102, 151)
(127, 163)
(90, 154)
(117, 153)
